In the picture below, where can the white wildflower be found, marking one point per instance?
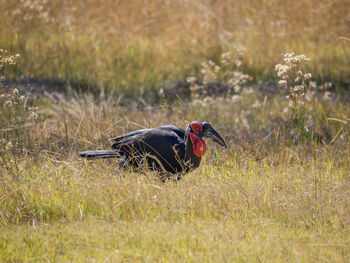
(282, 82)
(9, 145)
(307, 76)
(191, 79)
(328, 85)
(312, 85)
(34, 115)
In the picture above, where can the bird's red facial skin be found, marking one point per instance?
(196, 127)
(199, 146)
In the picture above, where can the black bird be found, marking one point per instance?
(167, 148)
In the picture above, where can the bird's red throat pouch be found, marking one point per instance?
(199, 146)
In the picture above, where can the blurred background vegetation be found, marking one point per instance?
(138, 47)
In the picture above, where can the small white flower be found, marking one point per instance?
(237, 88)
(312, 84)
(34, 115)
(9, 145)
(238, 62)
(307, 76)
(191, 79)
(282, 82)
(328, 85)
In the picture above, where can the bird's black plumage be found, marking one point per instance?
(166, 148)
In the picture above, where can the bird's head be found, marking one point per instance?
(204, 129)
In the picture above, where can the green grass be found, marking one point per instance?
(238, 241)
(263, 199)
(234, 211)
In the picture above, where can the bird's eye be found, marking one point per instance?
(196, 127)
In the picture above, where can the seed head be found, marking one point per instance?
(191, 79)
(9, 145)
(34, 115)
(282, 82)
(307, 76)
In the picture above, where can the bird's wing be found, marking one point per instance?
(129, 134)
(180, 132)
(160, 146)
(157, 140)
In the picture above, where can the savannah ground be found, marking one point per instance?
(279, 193)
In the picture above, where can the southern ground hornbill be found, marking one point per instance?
(167, 148)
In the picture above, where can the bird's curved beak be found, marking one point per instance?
(209, 132)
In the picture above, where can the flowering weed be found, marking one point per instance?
(16, 113)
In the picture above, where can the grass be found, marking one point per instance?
(264, 199)
(136, 241)
(280, 192)
(137, 48)
(238, 210)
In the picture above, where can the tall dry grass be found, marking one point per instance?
(269, 197)
(141, 46)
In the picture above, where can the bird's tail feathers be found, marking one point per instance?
(98, 154)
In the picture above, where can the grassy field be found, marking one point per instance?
(137, 48)
(263, 199)
(280, 192)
